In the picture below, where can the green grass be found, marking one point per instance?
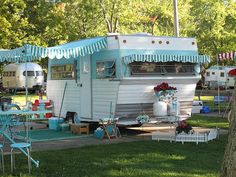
(208, 122)
(205, 98)
(133, 159)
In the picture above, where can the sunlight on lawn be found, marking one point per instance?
(21, 99)
(205, 98)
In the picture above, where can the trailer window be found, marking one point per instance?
(9, 74)
(222, 74)
(62, 72)
(39, 73)
(161, 68)
(208, 73)
(105, 69)
(29, 73)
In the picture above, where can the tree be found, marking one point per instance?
(214, 25)
(13, 24)
(228, 166)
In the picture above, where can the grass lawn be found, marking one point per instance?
(209, 122)
(133, 159)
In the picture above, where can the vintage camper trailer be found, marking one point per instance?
(120, 77)
(14, 76)
(222, 76)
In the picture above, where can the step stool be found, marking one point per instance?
(79, 128)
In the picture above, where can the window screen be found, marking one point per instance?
(105, 69)
(161, 68)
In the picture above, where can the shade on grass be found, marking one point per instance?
(133, 159)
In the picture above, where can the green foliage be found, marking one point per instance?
(13, 24)
(213, 22)
(214, 26)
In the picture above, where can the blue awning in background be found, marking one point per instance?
(69, 50)
(166, 58)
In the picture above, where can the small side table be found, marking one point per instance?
(79, 128)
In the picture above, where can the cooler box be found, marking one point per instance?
(205, 109)
(54, 123)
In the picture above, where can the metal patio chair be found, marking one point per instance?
(109, 125)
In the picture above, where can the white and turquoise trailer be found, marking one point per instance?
(220, 76)
(116, 74)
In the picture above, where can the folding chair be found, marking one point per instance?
(110, 127)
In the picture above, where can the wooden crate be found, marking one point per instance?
(80, 128)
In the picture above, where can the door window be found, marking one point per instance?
(105, 69)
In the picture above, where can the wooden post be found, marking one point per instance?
(228, 166)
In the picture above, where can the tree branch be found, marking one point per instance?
(105, 16)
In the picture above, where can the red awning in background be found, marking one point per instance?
(232, 72)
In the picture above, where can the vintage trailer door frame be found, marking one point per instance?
(86, 88)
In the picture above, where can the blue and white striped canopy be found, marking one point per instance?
(69, 50)
(166, 58)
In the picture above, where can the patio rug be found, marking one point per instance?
(48, 135)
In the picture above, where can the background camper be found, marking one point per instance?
(222, 76)
(14, 76)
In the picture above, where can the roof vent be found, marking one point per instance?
(113, 34)
(142, 34)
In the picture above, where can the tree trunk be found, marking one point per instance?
(229, 162)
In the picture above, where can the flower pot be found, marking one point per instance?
(160, 108)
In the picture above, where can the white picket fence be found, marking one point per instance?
(183, 137)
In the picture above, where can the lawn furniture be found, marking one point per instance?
(5, 121)
(109, 125)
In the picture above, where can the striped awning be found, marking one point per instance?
(69, 50)
(166, 58)
(77, 48)
(227, 56)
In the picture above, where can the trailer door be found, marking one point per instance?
(86, 88)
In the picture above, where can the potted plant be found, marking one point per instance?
(164, 94)
(183, 127)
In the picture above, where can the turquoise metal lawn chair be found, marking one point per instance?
(110, 128)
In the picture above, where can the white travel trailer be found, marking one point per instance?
(120, 76)
(222, 76)
(14, 76)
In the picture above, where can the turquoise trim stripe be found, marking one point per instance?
(65, 51)
(166, 58)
